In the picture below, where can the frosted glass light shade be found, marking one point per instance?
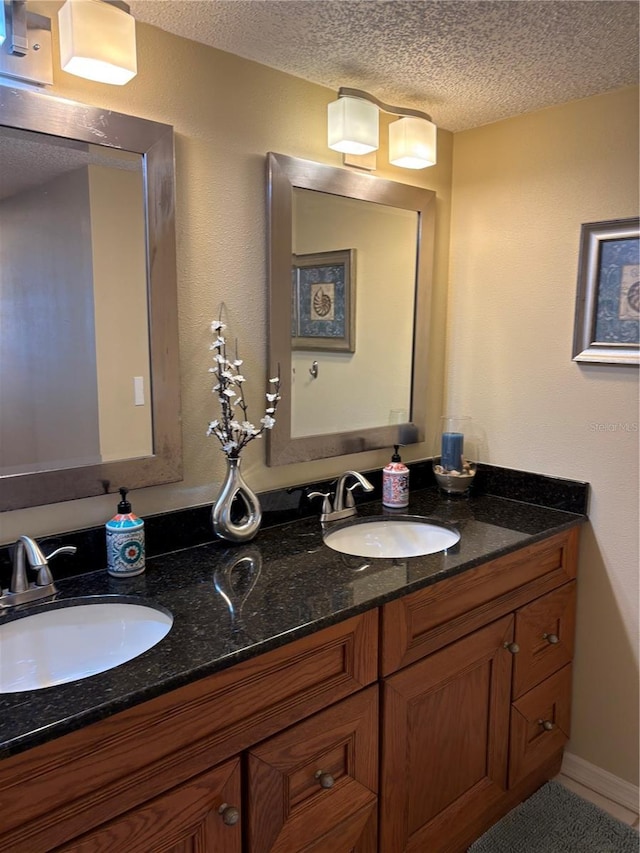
(353, 126)
(412, 143)
(97, 41)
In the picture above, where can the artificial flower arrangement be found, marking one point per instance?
(234, 433)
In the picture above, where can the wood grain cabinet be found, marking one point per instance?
(196, 817)
(476, 698)
(445, 740)
(159, 773)
(412, 727)
(314, 787)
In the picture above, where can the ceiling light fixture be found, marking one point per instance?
(97, 41)
(353, 129)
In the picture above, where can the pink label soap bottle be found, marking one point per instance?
(395, 482)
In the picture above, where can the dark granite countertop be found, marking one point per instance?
(286, 584)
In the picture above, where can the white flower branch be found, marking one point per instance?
(233, 432)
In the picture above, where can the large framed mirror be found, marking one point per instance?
(89, 365)
(350, 282)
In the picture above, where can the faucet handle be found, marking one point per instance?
(326, 500)
(364, 484)
(349, 500)
(65, 549)
(45, 577)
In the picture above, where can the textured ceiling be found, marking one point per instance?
(466, 62)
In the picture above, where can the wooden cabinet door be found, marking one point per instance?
(445, 740)
(196, 817)
(314, 787)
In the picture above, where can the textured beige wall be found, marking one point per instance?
(227, 114)
(521, 190)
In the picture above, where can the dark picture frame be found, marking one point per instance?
(324, 301)
(607, 316)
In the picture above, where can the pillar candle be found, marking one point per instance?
(452, 443)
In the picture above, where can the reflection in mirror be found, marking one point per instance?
(88, 337)
(382, 287)
(76, 300)
(347, 387)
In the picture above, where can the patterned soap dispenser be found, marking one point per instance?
(125, 541)
(395, 482)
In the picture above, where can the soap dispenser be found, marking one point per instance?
(395, 482)
(125, 541)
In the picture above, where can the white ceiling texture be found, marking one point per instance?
(466, 62)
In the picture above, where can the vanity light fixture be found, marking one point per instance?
(97, 41)
(353, 129)
(353, 123)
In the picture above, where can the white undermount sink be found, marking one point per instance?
(61, 644)
(391, 537)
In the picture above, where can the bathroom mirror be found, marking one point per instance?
(350, 273)
(89, 372)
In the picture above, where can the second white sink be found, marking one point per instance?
(391, 538)
(62, 644)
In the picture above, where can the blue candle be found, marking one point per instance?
(452, 451)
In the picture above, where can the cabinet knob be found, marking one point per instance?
(551, 638)
(514, 648)
(326, 780)
(230, 814)
(547, 725)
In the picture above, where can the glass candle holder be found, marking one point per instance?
(453, 469)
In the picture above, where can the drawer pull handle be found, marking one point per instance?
(547, 725)
(326, 780)
(230, 814)
(551, 638)
(514, 648)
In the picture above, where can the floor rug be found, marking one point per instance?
(555, 820)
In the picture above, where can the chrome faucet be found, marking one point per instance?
(342, 504)
(20, 591)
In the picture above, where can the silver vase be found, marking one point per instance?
(232, 487)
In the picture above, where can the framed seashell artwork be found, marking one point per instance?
(324, 301)
(607, 320)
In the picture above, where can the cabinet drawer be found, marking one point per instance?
(317, 782)
(545, 633)
(540, 723)
(55, 792)
(418, 624)
(189, 817)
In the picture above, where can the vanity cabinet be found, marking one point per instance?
(313, 785)
(476, 696)
(409, 727)
(159, 770)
